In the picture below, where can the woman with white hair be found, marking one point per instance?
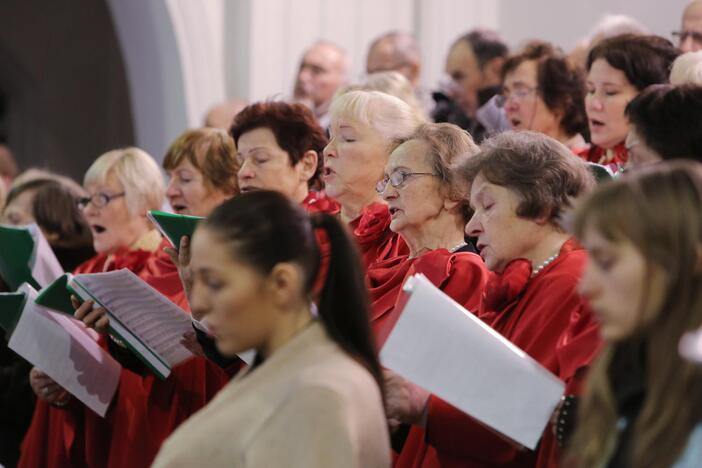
(687, 68)
(365, 127)
(121, 186)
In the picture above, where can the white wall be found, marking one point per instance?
(182, 56)
(564, 22)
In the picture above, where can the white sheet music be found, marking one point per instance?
(148, 314)
(67, 352)
(440, 346)
(44, 264)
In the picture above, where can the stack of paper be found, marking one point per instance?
(174, 226)
(27, 257)
(148, 323)
(66, 351)
(440, 346)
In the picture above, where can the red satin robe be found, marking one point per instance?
(375, 240)
(462, 276)
(144, 411)
(614, 159)
(546, 318)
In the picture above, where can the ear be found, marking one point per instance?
(307, 165)
(492, 71)
(450, 205)
(415, 71)
(51, 236)
(284, 284)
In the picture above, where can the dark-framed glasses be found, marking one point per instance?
(682, 35)
(99, 200)
(518, 93)
(398, 178)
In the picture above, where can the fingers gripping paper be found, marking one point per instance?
(442, 347)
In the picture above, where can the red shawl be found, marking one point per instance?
(546, 318)
(614, 159)
(375, 240)
(144, 411)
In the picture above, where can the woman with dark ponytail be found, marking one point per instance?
(312, 396)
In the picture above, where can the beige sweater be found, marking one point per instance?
(309, 405)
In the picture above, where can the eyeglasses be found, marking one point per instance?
(517, 94)
(99, 200)
(682, 35)
(398, 178)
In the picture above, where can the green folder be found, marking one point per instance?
(16, 249)
(601, 173)
(11, 306)
(57, 295)
(174, 226)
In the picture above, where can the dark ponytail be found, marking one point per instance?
(343, 304)
(266, 228)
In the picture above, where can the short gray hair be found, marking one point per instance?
(138, 173)
(687, 68)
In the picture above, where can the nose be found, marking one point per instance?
(172, 189)
(199, 305)
(389, 192)
(587, 284)
(687, 45)
(329, 151)
(246, 170)
(511, 105)
(473, 227)
(90, 211)
(592, 102)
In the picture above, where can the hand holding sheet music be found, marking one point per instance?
(67, 352)
(442, 347)
(144, 319)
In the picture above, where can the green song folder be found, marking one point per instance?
(174, 226)
(57, 295)
(11, 306)
(16, 250)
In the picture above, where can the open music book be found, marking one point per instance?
(442, 347)
(143, 319)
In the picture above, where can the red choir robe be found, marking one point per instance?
(460, 275)
(546, 318)
(375, 240)
(614, 158)
(144, 410)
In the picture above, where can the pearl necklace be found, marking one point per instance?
(544, 264)
(457, 247)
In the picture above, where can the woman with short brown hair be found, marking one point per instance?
(520, 185)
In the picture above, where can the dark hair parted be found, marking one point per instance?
(543, 172)
(669, 120)
(486, 45)
(212, 152)
(560, 83)
(295, 129)
(265, 228)
(644, 60)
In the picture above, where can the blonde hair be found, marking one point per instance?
(138, 173)
(687, 68)
(658, 210)
(392, 83)
(394, 119)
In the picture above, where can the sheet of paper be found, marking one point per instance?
(148, 314)
(440, 346)
(44, 265)
(68, 352)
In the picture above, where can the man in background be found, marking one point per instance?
(473, 66)
(323, 69)
(690, 34)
